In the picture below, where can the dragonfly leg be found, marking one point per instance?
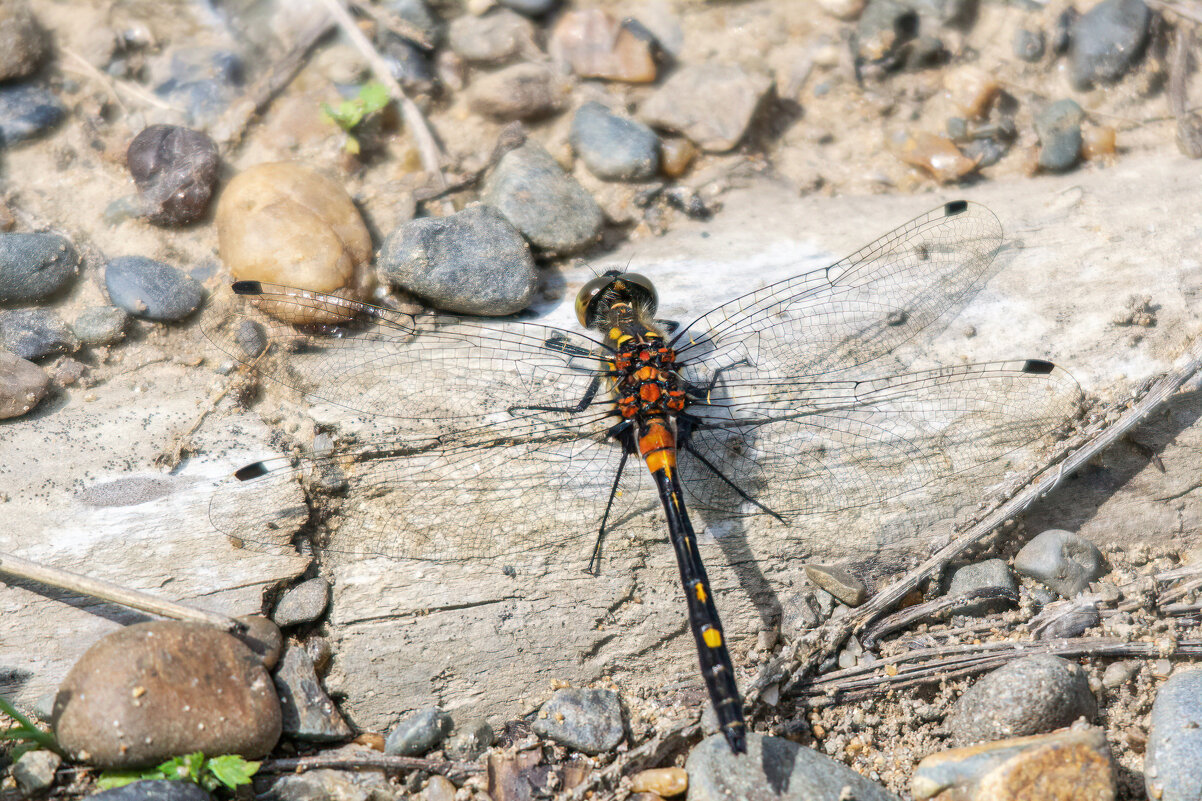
(627, 440)
(589, 394)
(684, 434)
(703, 395)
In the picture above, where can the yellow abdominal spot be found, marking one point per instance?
(712, 637)
(700, 592)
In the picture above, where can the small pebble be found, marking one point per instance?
(27, 111)
(438, 788)
(675, 155)
(494, 38)
(773, 769)
(586, 720)
(1119, 673)
(842, 9)
(1059, 128)
(1031, 695)
(936, 155)
(1062, 31)
(519, 92)
(22, 41)
(154, 790)
(1068, 765)
(531, 8)
(839, 582)
(202, 80)
(332, 785)
(101, 325)
(711, 104)
(35, 334)
(34, 771)
(33, 267)
(665, 782)
(1173, 759)
(972, 89)
(303, 603)
(263, 638)
(251, 338)
(285, 223)
(471, 262)
(175, 170)
(596, 44)
(1161, 668)
(798, 615)
(985, 152)
(612, 146)
(469, 740)
(418, 733)
(551, 209)
(409, 63)
(989, 574)
(1029, 45)
(1062, 561)
(418, 14)
(308, 713)
(885, 32)
(1098, 142)
(22, 385)
(150, 289)
(1107, 40)
(1066, 619)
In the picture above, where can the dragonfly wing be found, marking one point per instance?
(402, 499)
(829, 445)
(418, 369)
(855, 311)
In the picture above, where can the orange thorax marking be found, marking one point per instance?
(658, 446)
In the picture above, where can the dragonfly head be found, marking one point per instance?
(598, 296)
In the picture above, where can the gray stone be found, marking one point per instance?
(1029, 45)
(101, 325)
(34, 771)
(1119, 673)
(773, 768)
(151, 691)
(518, 92)
(1107, 40)
(27, 111)
(1032, 695)
(22, 41)
(22, 385)
(711, 104)
(798, 615)
(469, 740)
(148, 288)
(839, 582)
(418, 14)
(263, 638)
(155, 790)
(548, 207)
(586, 720)
(531, 8)
(175, 170)
(33, 267)
(1065, 619)
(251, 338)
(203, 80)
(472, 262)
(328, 785)
(303, 603)
(308, 713)
(614, 147)
(35, 334)
(419, 732)
(990, 574)
(492, 38)
(1173, 761)
(1059, 128)
(1062, 561)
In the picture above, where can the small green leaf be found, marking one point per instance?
(374, 97)
(119, 778)
(351, 145)
(232, 770)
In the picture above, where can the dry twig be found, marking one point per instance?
(370, 760)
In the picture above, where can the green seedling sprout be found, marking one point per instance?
(229, 771)
(372, 98)
(28, 736)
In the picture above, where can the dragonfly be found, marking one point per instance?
(786, 401)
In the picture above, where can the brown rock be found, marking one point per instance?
(839, 582)
(22, 40)
(263, 637)
(1068, 765)
(308, 713)
(597, 45)
(675, 156)
(711, 104)
(22, 385)
(284, 223)
(937, 155)
(494, 38)
(661, 781)
(520, 92)
(152, 691)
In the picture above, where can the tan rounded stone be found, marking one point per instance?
(284, 223)
(152, 691)
(665, 782)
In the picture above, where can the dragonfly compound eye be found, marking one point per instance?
(602, 291)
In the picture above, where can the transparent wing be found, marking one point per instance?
(804, 447)
(852, 313)
(474, 379)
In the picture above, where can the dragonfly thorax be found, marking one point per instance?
(647, 382)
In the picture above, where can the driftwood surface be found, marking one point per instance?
(82, 491)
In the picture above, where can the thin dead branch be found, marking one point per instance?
(802, 656)
(374, 760)
(654, 752)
